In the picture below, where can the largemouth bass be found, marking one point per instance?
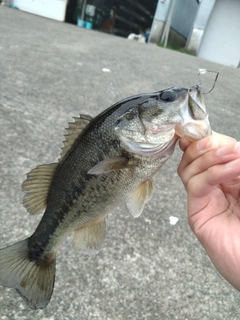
(105, 161)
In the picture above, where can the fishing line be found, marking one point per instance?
(203, 71)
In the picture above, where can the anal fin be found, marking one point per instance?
(89, 239)
(139, 197)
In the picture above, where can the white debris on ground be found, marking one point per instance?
(173, 220)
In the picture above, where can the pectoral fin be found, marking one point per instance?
(140, 196)
(89, 239)
(108, 165)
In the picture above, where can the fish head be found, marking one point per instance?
(163, 117)
(177, 109)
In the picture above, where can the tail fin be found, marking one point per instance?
(33, 280)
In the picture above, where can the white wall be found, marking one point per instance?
(53, 9)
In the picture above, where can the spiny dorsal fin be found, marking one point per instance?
(73, 131)
(139, 197)
(36, 187)
(89, 239)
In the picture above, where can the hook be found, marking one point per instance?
(203, 71)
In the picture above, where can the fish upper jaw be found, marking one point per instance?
(195, 93)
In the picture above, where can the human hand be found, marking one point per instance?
(210, 172)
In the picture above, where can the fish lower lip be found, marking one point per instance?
(192, 135)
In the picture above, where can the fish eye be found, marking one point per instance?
(167, 96)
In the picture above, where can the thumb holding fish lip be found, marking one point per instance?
(210, 142)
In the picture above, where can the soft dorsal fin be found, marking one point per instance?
(139, 197)
(73, 131)
(89, 239)
(36, 187)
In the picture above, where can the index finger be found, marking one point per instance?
(196, 149)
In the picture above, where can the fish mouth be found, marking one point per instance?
(195, 124)
(196, 103)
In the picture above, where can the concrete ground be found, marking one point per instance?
(148, 268)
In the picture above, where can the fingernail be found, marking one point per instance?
(237, 147)
(201, 145)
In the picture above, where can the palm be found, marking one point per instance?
(220, 212)
(214, 201)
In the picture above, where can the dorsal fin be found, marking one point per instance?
(39, 179)
(73, 131)
(36, 187)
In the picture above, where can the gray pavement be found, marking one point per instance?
(148, 268)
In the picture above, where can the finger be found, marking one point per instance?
(211, 158)
(229, 149)
(203, 183)
(214, 141)
(184, 143)
(206, 189)
(198, 148)
(227, 173)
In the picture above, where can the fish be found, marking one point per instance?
(106, 161)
